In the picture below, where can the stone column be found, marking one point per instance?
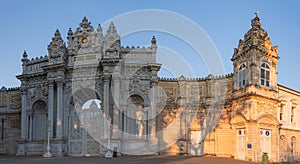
(24, 115)
(60, 110)
(106, 96)
(116, 96)
(152, 113)
(152, 135)
(50, 106)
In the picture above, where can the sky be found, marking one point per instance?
(29, 25)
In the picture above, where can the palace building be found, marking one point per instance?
(92, 95)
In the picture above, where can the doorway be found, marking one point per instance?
(265, 142)
(241, 144)
(196, 143)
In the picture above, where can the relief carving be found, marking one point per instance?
(15, 101)
(168, 116)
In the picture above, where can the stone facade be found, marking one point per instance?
(10, 119)
(240, 115)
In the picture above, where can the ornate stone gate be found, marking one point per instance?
(82, 139)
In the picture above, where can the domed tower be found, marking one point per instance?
(255, 60)
(255, 98)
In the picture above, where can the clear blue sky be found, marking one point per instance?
(29, 25)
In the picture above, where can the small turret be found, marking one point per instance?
(111, 42)
(255, 59)
(25, 56)
(57, 48)
(25, 59)
(70, 39)
(99, 30)
(153, 48)
(70, 32)
(85, 23)
(153, 40)
(111, 29)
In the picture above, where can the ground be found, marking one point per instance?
(123, 160)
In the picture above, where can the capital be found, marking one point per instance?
(50, 83)
(106, 78)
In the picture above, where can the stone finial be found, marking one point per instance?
(111, 29)
(25, 54)
(57, 33)
(256, 13)
(25, 59)
(153, 40)
(99, 28)
(85, 23)
(255, 21)
(70, 32)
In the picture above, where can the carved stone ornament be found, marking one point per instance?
(56, 48)
(15, 101)
(168, 116)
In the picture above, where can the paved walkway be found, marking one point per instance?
(121, 160)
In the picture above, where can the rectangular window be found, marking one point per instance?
(292, 114)
(281, 112)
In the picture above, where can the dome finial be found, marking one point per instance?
(255, 21)
(256, 14)
(25, 54)
(85, 23)
(70, 32)
(25, 59)
(153, 40)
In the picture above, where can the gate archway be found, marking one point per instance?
(85, 110)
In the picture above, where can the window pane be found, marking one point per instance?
(267, 83)
(262, 75)
(262, 81)
(268, 75)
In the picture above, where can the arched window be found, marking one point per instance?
(38, 121)
(282, 148)
(293, 146)
(265, 75)
(242, 75)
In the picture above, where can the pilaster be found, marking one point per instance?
(60, 109)
(106, 95)
(50, 106)
(116, 98)
(24, 114)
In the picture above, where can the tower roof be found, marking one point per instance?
(255, 37)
